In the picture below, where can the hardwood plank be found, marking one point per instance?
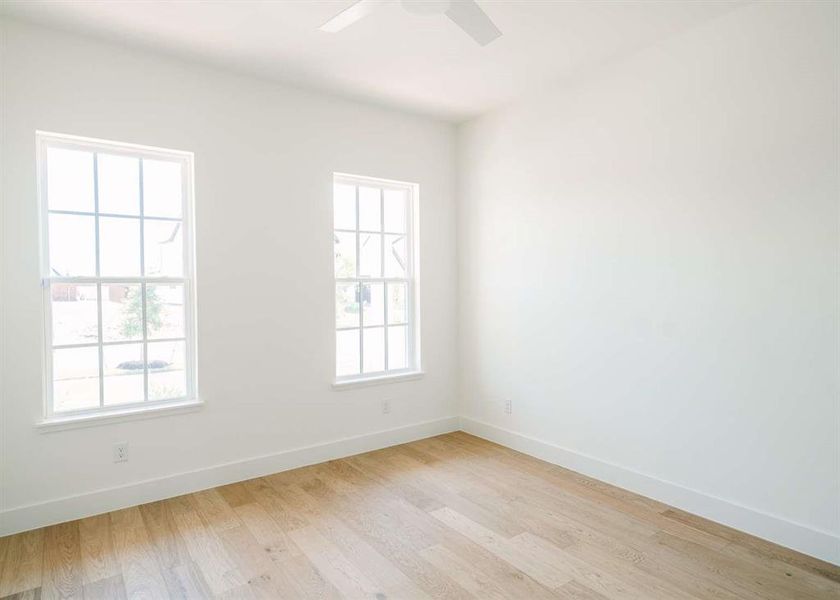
(747, 579)
(272, 501)
(169, 547)
(215, 511)
(333, 565)
(136, 555)
(209, 554)
(577, 591)
(261, 574)
(444, 486)
(22, 568)
(762, 548)
(267, 532)
(98, 559)
(401, 484)
(515, 583)
(235, 494)
(467, 576)
(62, 562)
(34, 594)
(5, 542)
(309, 584)
(393, 582)
(539, 569)
(185, 582)
(605, 581)
(396, 537)
(109, 588)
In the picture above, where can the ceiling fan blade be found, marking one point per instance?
(468, 15)
(351, 14)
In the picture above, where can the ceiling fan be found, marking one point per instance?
(466, 14)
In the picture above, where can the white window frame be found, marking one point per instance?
(413, 364)
(45, 140)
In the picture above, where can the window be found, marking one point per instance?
(375, 283)
(117, 275)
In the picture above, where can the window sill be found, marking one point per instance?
(383, 379)
(116, 416)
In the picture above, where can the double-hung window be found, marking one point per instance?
(117, 267)
(375, 278)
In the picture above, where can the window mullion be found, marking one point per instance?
(96, 208)
(99, 345)
(143, 286)
(360, 290)
(142, 223)
(99, 336)
(382, 271)
(145, 344)
(117, 280)
(410, 331)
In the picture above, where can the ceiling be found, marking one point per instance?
(420, 63)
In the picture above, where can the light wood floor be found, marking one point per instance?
(448, 517)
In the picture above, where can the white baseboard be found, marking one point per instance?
(820, 544)
(814, 542)
(31, 516)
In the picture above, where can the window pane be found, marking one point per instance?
(369, 205)
(374, 350)
(347, 352)
(75, 379)
(119, 184)
(69, 180)
(164, 248)
(161, 188)
(345, 254)
(396, 303)
(167, 378)
(395, 256)
(344, 206)
(74, 314)
(122, 312)
(370, 248)
(396, 348)
(123, 368)
(165, 311)
(72, 245)
(346, 305)
(373, 303)
(119, 247)
(395, 208)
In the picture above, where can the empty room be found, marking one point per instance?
(420, 299)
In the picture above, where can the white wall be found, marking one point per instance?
(264, 157)
(649, 271)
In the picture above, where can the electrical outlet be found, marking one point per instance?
(121, 452)
(508, 407)
(386, 407)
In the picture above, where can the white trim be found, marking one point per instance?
(106, 417)
(797, 536)
(113, 280)
(82, 213)
(125, 148)
(45, 140)
(351, 179)
(409, 280)
(358, 382)
(117, 343)
(59, 510)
